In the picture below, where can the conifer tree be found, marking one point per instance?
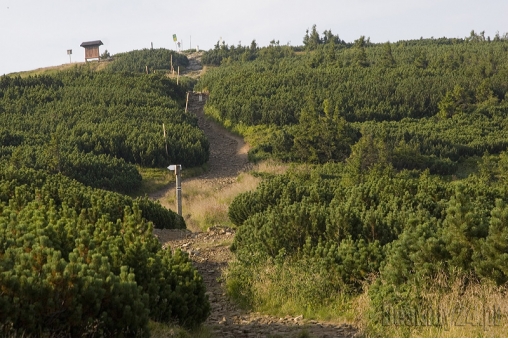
(313, 40)
(453, 102)
(462, 228)
(387, 59)
(491, 261)
(360, 57)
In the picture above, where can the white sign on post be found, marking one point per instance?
(177, 169)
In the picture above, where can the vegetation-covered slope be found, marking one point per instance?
(76, 261)
(441, 100)
(154, 59)
(318, 238)
(75, 258)
(94, 126)
(388, 217)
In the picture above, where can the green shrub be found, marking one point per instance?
(154, 59)
(76, 261)
(399, 230)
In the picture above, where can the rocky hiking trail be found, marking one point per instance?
(210, 252)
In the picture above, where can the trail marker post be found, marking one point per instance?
(165, 139)
(177, 169)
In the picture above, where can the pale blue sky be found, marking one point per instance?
(37, 33)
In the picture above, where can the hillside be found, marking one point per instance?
(94, 126)
(51, 70)
(395, 210)
(205, 206)
(369, 196)
(441, 101)
(76, 258)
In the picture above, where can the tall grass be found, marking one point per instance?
(442, 307)
(457, 307)
(299, 287)
(154, 179)
(205, 204)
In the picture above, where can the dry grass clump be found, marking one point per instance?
(271, 167)
(154, 179)
(205, 202)
(299, 287)
(452, 308)
(94, 65)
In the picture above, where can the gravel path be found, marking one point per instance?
(210, 252)
(228, 153)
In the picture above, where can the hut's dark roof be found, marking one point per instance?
(91, 43)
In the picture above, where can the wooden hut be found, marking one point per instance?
(92, 49)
